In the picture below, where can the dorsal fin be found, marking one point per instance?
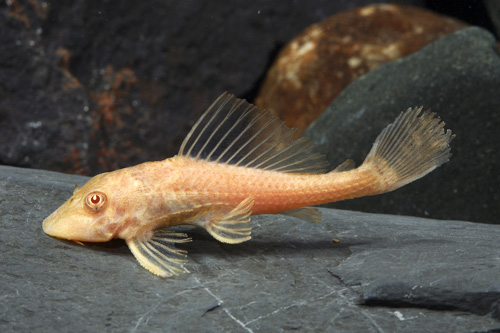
(233, 131)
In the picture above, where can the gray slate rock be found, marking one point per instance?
(458, 77)
(388, 273)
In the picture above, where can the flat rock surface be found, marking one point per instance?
(387, 273)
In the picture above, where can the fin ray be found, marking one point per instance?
(345, 166)
(411, 147)
(308, 214)
(156, 252)
(232, 228)
(233, 131)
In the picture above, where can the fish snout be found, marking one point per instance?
(49, 225)
(66, 225)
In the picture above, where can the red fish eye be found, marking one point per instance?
(95, 201)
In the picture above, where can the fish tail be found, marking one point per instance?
(408, 149)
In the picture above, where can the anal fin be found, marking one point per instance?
(232, 227)
(308, 214)
(156, 251)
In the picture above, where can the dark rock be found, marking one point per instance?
(474, 12)
(493, 9)
(318, 64)
(387, 273)
(43, 108)
(91, 86)
(458, 77)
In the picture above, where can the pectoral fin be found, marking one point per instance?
(232, 227)
(156, 251)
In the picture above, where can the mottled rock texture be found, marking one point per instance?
(89, 86)
(312, 69)
(458, 77)
(387, 274)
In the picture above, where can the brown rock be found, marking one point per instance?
(314, 67)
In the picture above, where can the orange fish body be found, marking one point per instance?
(271, 191)
(238, 161)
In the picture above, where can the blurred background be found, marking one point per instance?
(93, 86)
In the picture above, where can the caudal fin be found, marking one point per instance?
(411, 147)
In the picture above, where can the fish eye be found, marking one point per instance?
(95, 201)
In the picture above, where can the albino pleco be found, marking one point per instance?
(238, 161)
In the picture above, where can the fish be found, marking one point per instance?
(237, 161)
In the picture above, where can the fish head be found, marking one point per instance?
(87, 215)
